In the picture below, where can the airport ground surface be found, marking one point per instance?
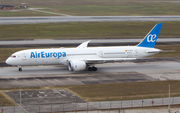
(57, 19)
(60, 100)
(144, 70)
(164, 69)
(75, 42)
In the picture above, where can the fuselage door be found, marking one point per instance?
(24, 57)
(101, 54)
(129, 53)
(135, 53)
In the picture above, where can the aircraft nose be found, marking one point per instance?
(8, 61)
(11, 61)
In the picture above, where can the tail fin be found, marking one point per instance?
(151, 38)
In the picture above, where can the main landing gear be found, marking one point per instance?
(92, 68)
(20, 68)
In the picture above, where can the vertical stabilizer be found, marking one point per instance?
(151, 38)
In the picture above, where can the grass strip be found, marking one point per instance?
(118, 91)
(6, 100)
(118, 8)
(97, 7)
(86, 30)
(24, 13)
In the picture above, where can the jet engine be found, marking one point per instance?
(77, 65)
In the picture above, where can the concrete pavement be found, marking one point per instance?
(56, 19)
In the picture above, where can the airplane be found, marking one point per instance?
(85, 58)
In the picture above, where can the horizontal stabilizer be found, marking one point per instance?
(154, 51)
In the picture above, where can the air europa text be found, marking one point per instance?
(47, 54)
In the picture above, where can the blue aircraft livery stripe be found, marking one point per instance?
(151, 38)
(47, 54)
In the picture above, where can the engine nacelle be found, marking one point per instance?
(77, 65)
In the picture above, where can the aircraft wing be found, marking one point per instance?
(107, 60)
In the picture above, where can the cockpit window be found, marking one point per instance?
(13, 56)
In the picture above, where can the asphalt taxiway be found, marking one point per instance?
(56, 19)
(107, 73)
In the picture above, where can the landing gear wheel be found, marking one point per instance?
(92, 68)
(20, 69)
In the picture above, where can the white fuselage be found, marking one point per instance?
(61, 55)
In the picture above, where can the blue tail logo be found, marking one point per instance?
(151, 38)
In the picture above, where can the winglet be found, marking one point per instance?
(84, 44)
(151, 38)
